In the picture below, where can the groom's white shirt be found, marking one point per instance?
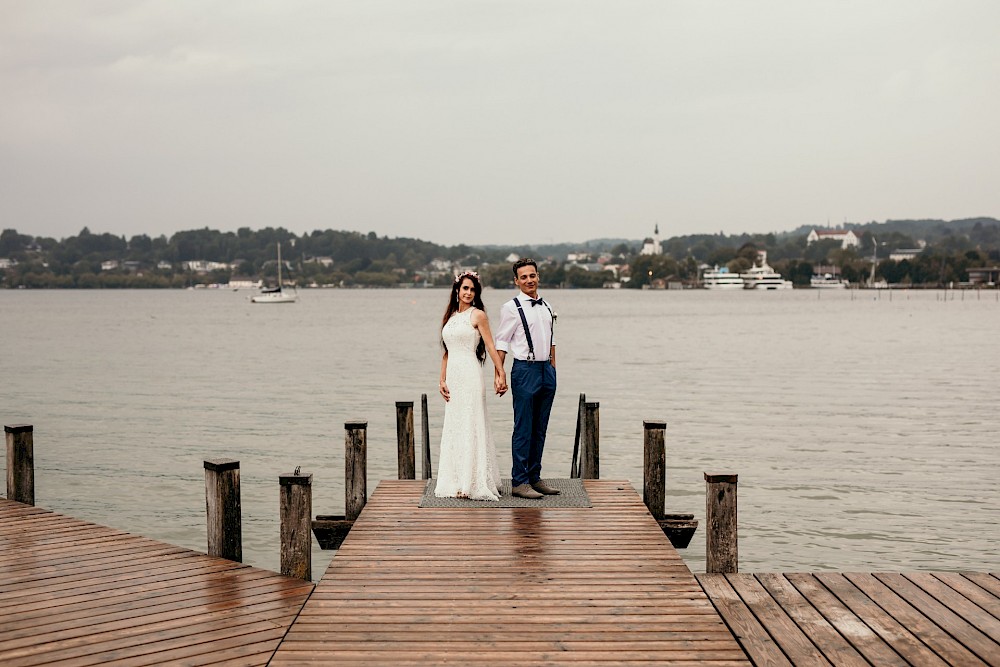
(510, 333)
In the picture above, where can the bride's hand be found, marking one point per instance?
(443, 388)
(500, 383)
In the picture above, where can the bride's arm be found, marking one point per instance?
(482, 323)
(443, 385)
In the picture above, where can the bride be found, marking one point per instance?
(467, 466)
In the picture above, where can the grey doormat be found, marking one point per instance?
(573, 495)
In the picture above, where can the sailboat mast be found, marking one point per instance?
(279, 266)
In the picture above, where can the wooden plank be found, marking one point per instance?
(850, 626)
(980, 596)
(823, 589)
(580, 586)
(926, 630)
(752, 636)
(83, 594)
(961, 629)
(827, 639)
(988, 582)
(798, 648)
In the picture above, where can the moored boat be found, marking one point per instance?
(275, 294)
(828, 281)
(763, 277)
(721, 279)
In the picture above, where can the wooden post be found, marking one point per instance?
(654, 471)
(425, 424)
(222, 506)
(404, 440)
(20, 463)
(574, 468)
(721, 552)
(355, 468)
(296, 525)
(590, 467)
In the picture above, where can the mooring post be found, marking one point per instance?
(296, 524)
(222, 507)
(654, 470)
(590, 467)
(355, 468)
(425, 424)
(404, 440)
(574, 468)
(721, 552)
(20, 463)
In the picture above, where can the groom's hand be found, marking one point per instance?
(500, 383)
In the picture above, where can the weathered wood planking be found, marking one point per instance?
(832, 618)
(594, 586)
(74, 593)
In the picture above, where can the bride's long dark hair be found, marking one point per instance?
(477, 302)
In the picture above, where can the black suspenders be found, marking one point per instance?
(527, 333)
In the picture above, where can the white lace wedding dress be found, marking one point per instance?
(467, 465)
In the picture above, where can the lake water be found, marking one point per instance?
(863, 425)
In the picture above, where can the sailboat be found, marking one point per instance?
(275, 294)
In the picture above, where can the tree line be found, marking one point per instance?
(344, 258)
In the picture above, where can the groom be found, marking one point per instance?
(526, 332)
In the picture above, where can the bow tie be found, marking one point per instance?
(535, 302)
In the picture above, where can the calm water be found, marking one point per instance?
(863, 427)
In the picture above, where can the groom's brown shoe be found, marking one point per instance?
(525, 491)
(542, 487)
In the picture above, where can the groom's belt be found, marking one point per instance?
(532, 361)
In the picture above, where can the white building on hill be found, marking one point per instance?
(652, 246)
(846, 237)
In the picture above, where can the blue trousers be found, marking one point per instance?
(532, 386)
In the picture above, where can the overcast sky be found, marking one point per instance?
(495, 122)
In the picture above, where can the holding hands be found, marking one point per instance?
(500, 381)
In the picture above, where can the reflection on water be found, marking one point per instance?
(859, 426)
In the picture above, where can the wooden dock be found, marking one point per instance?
(486, 586)
(74, 593)
(921, 618)
(522, 586)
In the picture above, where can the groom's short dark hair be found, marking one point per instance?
(526, 261)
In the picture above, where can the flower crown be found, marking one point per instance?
(467, 274)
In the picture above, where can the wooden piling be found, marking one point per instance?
(574, 468)
(20, 463)
(222, 507)
(355, 468)
(296, 525)
(654, 471)
(425, 428)
(590, 467)
(331, 529)
(407, 464)
(721, 548)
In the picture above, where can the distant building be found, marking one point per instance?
(986, 275)
(164, 265)
(846, 237)
(651, 246)
(513, 257)
(904, 253)
(6, 263)
(109, 265)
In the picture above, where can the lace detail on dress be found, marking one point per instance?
(467, 465)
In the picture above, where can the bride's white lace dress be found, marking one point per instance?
(467, 465)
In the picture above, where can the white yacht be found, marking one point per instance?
(828, 281)
(762, 276)
(721, 279)
(275, 294)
